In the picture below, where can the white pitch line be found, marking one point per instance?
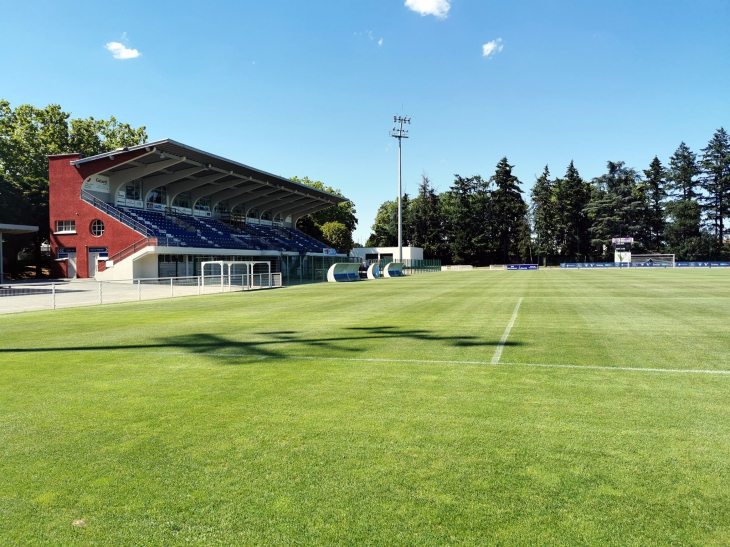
(389, 360)
(498, 352)
(427, 361)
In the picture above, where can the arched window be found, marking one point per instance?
(97, 228)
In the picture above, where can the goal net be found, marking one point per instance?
(661, 260)
(498, 266)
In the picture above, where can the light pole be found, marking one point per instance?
(399, 133)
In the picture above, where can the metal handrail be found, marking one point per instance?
(115, 213)
(133, 248)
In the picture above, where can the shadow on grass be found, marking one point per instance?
(274, 344)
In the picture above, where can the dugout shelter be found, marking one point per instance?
(163, 208)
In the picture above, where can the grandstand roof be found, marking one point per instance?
(182, 168)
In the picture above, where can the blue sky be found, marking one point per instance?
(310, 88)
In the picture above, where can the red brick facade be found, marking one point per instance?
(65, 182)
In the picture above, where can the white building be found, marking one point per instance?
(380, 253)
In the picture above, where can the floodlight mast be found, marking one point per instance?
(399, 133)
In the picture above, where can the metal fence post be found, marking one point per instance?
(172, 293)
(139, 290)
(100, 299)
(53, 292)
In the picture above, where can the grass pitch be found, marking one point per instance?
(371, 414)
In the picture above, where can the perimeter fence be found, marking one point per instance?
(69, 294)
(624, 265)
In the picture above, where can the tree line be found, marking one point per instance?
(680, 208)
(28, 135)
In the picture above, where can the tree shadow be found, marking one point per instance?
(283, 344)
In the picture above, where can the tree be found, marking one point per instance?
(715, 180)
(572, 226)
(683, 215)
(344, 213)
(683, 236)
(545, 214)
(614, 207)
(338, 236)
(682, 172)
(28, 135)
(385, 229)
(463, 227)
(653, 192)
(424, 218)
(508, 211)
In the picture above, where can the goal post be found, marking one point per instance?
(498, 266)
(656, 259)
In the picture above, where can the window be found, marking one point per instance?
(97, 228)
(65, 226)
(203, 204)
(134, 191)
(158, 196)
(182, 200)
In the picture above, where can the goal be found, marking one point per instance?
(498, 266)
(658, 260)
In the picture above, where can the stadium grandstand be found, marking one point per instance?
(163, 208)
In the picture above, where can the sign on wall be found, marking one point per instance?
(64, 252)
(96, 183)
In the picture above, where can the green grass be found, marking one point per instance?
(368, 414)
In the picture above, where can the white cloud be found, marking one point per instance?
(437, 8)
(120, 51)
(368, 34)
(492, 48)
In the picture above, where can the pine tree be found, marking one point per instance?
(545, 214)
(683, 214)
(654, 193)
(460, 220)
(572, 195)
(509, 211)
(715, 180)
(682, 173)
